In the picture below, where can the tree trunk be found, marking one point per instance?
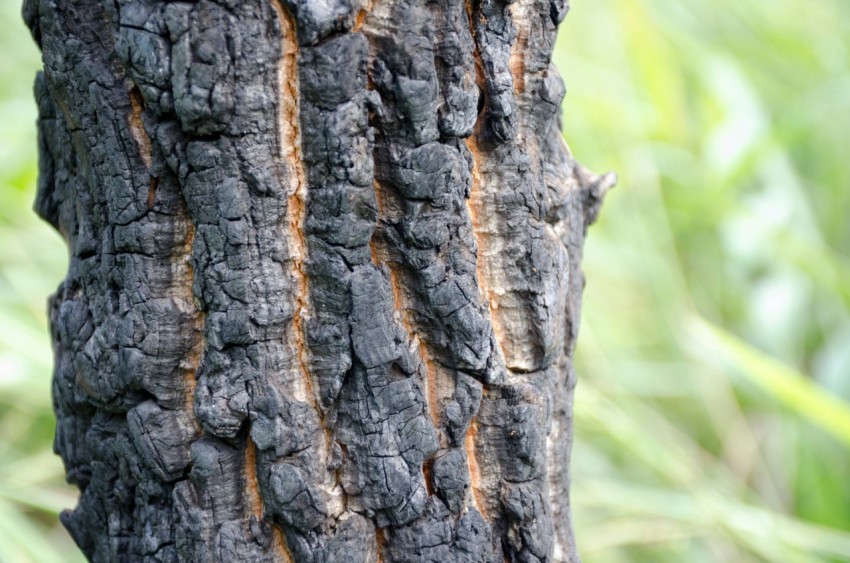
(324, 281)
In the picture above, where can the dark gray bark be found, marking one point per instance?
(324, 283)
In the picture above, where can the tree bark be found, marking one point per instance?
(324, 280)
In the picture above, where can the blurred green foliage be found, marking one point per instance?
(712, 414)
(713, 409)
(32, 261)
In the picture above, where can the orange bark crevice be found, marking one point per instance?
(399, 305)
(431, 383)
(516, 63)
(154, 184)
(289, 146)
(253, 498)
(475, 208)
(360, 18)
(476, 55)
(137, 127)
(483, 276)
(474, 468)
(254, 502)
(279, 546)
(474, 203)
(190, 363)
(380, 544)
(289, 128)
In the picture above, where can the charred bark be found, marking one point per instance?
(324, 283)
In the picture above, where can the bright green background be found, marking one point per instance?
(712, 413)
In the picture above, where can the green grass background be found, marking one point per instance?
(712, 414)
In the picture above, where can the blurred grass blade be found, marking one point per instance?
(21, 541)
(774, 536)
(792, 389)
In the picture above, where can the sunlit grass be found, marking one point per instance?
(32, 261)
(712, 410)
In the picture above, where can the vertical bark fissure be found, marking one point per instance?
(516, 63)
(192, 362)
(252, 487)
(402, 308)
(279, 547)
(474, 469)
(478, 483)
(473, 203)
(289, 127)
(137, 128)
(256, 506)
(334, 500)
(471, 143)
(362, 13)
(380, 544)
(483, 288)
(481, 235)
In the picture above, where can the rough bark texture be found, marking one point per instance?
(324, 282)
